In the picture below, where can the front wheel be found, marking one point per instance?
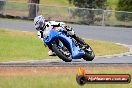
(89, 54)
(61, 53)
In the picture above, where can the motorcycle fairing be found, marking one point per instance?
(76, 52)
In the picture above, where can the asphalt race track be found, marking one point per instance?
(113, 34)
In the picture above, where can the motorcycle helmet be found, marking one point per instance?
(39, 23)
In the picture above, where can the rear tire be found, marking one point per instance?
(60, 54)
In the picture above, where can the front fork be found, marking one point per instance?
(81, 43)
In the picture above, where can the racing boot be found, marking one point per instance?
(51, 53)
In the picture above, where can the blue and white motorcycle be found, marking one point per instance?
(68, 47)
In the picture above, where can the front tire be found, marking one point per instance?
(61, 54)
(89, 54)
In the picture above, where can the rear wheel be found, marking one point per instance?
(62, 52)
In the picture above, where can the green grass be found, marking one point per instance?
(59, 9)
(112, 4)
(56, 13)
(50, 2)
(111, 19)
(58, 81)
(18, 45)
(16, 6)
(106, 48)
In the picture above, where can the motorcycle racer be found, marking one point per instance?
(43, 27)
